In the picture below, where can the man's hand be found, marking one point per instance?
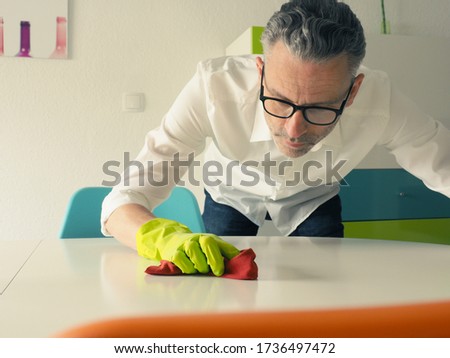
(162, 239)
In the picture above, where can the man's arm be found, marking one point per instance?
(420, 144)
(125, 222)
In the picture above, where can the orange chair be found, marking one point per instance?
(427, 320)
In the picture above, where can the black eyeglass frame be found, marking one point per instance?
(295, 108)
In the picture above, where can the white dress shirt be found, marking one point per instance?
(243, 167)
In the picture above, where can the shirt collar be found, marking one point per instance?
(334, 139)
(261, 131)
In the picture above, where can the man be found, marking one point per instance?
(285, 130)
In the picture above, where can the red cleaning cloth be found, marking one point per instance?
(240, 267)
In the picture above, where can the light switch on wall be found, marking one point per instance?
(133, 102)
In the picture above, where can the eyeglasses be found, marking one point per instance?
(317, 115)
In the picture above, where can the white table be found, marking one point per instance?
(13, 255)
(73, 281)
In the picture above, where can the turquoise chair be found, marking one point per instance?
(392, 204)
(82, 219)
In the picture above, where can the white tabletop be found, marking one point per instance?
(73, 281)
(13, 255)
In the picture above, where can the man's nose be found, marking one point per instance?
(296, 125)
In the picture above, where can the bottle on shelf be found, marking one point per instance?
(1, 37)
(61, 38)
(25, 47)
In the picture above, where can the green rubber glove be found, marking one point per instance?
(163, 239)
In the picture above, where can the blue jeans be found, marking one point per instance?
(223, 220)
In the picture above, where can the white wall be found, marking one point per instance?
(61, 120)
(407, 17)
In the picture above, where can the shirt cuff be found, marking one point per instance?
(117, 198)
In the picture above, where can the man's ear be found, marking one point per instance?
(259, 65)
(356, 85)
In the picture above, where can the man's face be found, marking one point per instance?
(303, 83)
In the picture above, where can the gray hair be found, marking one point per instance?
(317, 30)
